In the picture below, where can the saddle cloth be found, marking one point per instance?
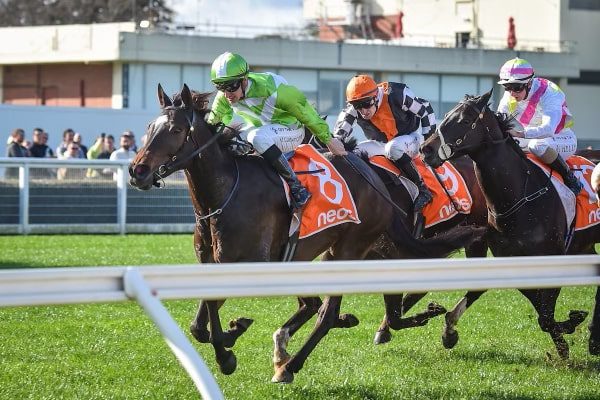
(585, 208)
(443, 207)
(331, 203)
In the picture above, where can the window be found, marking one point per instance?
(332, 89)
(584, 5)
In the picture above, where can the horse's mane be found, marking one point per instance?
(505, 122)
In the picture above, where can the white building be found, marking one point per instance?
(103, 77)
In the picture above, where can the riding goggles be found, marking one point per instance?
(364, 103)
(229, 86)
(514, 87)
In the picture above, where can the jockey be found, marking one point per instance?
(275, 114)
(540, 106)
(394, 120)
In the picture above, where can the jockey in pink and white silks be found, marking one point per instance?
(541, 108)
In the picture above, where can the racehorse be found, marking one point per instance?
(526, 217)
(242, 216)
(395, 316)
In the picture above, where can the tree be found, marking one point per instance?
(58, 12)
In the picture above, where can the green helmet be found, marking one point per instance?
(228, 66)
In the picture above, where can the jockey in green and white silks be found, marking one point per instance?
(275, 114)
(541, 108)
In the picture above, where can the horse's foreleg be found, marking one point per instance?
(393, 305)
(307, 307)
(225, 358)
(594, 342)
(544, 302)
(450, 334)
(199, 325)
(328, 315)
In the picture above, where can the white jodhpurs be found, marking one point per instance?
(284, 137)
(395, 148)
(564, 142)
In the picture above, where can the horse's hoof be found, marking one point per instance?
(229, 365)
(282, 376)
(449, 339)
(435, 309)
(201, 335)
(347, 321)
(594, 347)
(563, 351)
(278, 364)
(241, 324)
(577, 317)
(382, 337)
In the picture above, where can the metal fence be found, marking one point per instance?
(87, 196)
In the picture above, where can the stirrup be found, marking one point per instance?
(300, 197)
(575, 185)
(423, 198)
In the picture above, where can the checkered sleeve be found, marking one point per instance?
(345, 122)
(421, 108)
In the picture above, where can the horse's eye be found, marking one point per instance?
(176, 130)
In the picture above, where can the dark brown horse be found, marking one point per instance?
(243, 216)
(477, 217)
(526, 217)
(398, 305)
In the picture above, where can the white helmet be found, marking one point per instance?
(516, 70)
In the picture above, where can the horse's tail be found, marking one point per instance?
(439, 246)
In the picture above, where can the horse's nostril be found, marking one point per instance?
(426, 150)
(140, 170)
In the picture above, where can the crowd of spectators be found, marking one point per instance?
(70, 148)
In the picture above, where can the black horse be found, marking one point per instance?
(242, 215)
(398, 305)
(526, 217)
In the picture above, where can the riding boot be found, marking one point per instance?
(572, 182)
(408, 169)
(300, 194)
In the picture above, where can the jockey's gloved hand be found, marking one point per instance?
(336, 147)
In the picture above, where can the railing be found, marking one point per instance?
(41, 195)
(147, 285)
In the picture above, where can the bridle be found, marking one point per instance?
(179, 159)
(448, 150)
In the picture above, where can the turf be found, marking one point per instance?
(113, 351)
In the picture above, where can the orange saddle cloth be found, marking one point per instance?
(331, 203)
(587, 213)
(447, 203)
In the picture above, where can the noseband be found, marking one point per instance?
(178, 159)
(447, 150)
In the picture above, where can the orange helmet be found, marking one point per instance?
(360, 87)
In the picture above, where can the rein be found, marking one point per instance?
(219, 210)
(448, 150)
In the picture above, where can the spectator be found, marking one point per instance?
(82, 149)
(131, 136)
(72, 152)
(67, 138)
(39, 148)
(124, 152)
(108, 147)
(93, 153)
(15, 148)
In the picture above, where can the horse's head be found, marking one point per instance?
(464, 129)
(169, 143)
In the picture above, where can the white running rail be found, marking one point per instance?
(27, 287)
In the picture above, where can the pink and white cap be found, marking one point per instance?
(516, 70)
